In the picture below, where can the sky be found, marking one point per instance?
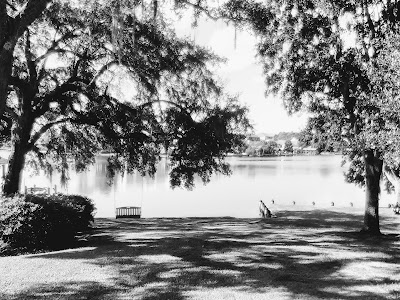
(242, 74)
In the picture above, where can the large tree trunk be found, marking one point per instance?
(11, 29)
(5, 72)
(4, 66)
(373, 172)
(21, 138)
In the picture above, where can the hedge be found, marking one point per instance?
(36, 222)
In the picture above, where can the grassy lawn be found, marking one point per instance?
(299, 255)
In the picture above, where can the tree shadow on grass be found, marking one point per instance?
(70, 291)
(302, 255)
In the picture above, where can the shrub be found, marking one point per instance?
(36, 222)
(16, 219)
(74, 209)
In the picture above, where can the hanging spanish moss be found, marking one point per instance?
(116, 29)
(134, 25)
(235, 37)
(64, 176)
(155, 8)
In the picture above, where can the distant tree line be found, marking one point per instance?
(287, 136)
(318, 139)
(271, 147)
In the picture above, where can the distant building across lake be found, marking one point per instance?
(269, 145)
(309, 151)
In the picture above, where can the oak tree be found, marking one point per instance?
(288, 147)
(318, 55)
(65, 99)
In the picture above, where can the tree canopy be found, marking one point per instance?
(288, 147)
(328, 57)
(68, 96)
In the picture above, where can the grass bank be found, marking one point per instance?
(299, 255)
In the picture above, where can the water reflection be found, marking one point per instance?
(253, 169)
(284, 165)
(300, 179)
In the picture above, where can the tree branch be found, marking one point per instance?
(11, 6)
(49, 125)
(42, 70)
(42, 130)
(30, 62)
(151, 103)
(17, 26)
(4, 20)
(33, 9)
(369, 20)
(102, 70)
(56, 95)
(21, 84)
(54, 48)
(76, 68)
(204, 10)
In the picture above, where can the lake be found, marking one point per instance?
(302, 179)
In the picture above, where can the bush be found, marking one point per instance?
(35, 222)
(16, 223)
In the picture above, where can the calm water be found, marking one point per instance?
(302, 179)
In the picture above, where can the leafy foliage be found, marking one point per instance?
(311, 64)
(322, 134)
(70, 79)
(286, 136)
(269, 148)
(309, 61)
(288, 148)
(43, 222)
